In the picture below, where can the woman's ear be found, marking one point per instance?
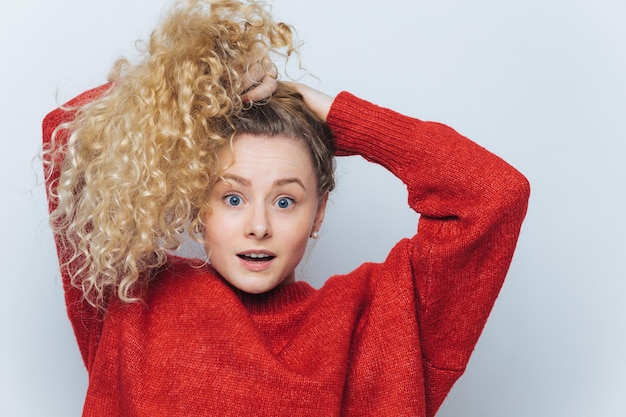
(321, 210)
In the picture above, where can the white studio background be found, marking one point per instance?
(540, 83)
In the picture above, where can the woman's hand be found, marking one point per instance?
(262, 90)
(316, 100)
(260, 82)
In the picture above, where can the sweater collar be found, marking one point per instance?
(280, 298)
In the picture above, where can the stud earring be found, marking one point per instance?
(315, 235)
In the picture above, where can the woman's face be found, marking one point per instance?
(262, 212)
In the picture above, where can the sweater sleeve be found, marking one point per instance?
(84, 318)
(471, 206)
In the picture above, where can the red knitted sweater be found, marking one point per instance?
(388, 339)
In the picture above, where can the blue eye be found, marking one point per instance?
(233, 200)
(284, 202)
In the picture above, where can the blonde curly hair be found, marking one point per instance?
(140, 158)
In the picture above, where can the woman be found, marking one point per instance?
(201, 138)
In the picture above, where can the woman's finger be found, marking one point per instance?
(262, 90)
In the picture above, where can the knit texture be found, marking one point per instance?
(388, 339)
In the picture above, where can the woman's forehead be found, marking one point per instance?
(251, 155)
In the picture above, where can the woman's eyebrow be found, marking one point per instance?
(236, 178)
(285, 181)
(246, 182)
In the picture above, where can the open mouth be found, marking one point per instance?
(256, 257)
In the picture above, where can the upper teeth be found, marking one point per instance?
(257, 255)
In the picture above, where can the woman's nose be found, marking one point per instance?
(258, 225)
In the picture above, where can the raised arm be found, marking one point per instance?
(82, 315)
(471, 203)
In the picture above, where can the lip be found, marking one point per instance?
(256, 265)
